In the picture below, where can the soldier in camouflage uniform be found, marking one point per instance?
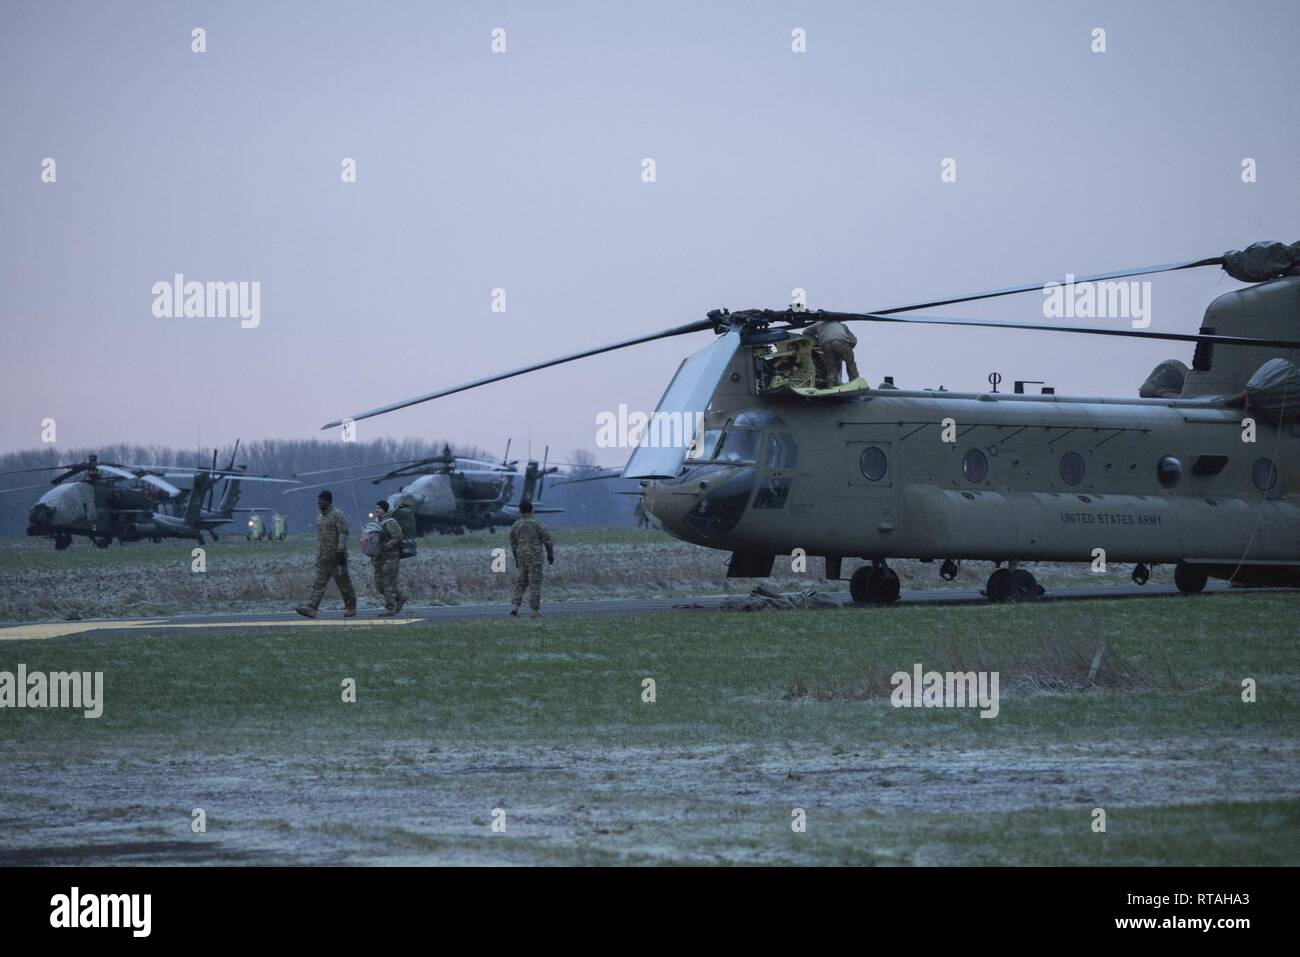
(386, 563)
(832, 348)
(528, 537)
(331, 558)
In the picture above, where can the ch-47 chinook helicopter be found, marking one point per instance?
(451, 493)
(104, 501)
(851, 471)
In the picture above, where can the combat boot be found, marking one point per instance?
(348, 613)
(307, 611)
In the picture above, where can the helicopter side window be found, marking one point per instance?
(1169, 470)
(782, 451)
(773, 491)
(975, 466)
(873, 464)
(1072, 468)
(1264, 474)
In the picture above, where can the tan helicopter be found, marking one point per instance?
(1202, 473)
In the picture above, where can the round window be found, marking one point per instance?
(873, 464)
(1072, 468)
(1264, 473)
(1169, 471)
(974, 466)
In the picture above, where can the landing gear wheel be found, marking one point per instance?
(874, 585)
(858, 585)
(995, 589)
(1190, 579)
(883, 585)
(1021, 585)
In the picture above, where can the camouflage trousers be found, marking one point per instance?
(325, 570)
(386, 569)
(529, 577)
(829, 358)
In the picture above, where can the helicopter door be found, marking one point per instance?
(874, 473)
(778, 459)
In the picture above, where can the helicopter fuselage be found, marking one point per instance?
(885, 473)
(999, 477)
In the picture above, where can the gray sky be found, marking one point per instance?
(522, 170)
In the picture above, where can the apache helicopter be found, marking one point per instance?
(132, 503)
(453, 492)
(1201, 470)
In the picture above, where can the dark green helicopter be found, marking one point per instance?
(105, 501)
(450, 493)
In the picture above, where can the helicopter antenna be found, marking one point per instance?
(212, 486)
(541, 481)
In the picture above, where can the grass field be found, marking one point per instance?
(146, 579)
(755, 715)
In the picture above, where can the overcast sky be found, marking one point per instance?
(522, 170)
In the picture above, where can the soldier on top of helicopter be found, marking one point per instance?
(833, 346)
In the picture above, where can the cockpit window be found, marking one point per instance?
(738, 445)
(757, 418)
(706, 445)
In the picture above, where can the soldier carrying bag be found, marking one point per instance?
(372, 542)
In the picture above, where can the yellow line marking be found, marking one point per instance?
(306, 622)
(57, 629)
(60, 629)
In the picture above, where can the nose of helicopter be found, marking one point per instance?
(703, 504)
(40, 515)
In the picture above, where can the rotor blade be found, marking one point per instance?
(25, 488)
(45, 468)
(158, 483)
(699, 326)
(1042, 327)
(345, 481)
(596, 476)
(368, 465)
(218, 475)
(120, 473)
(260, 478)
(1038, 286)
